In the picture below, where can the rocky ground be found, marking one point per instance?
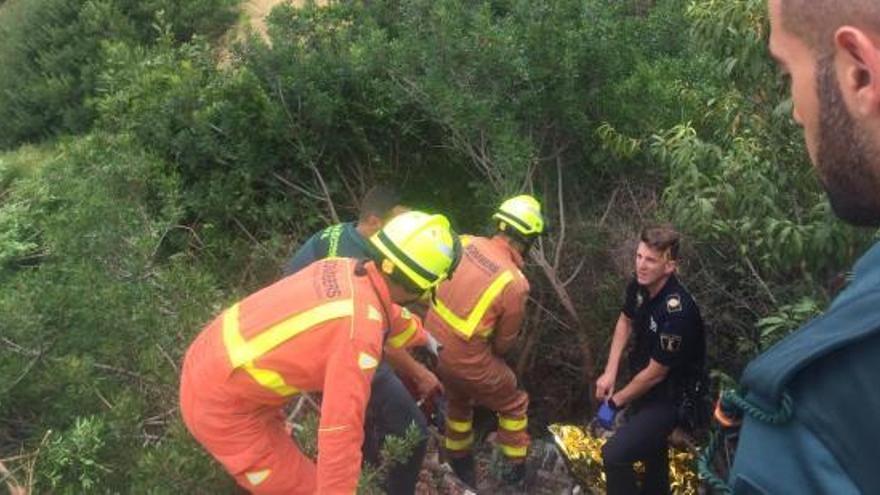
(546, 473)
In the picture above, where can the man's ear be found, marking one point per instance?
(858, 69)
(670, 267)
(373, 223)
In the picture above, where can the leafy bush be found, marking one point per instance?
(71, 463)
(190, 181)
(94, 328)
(51, 55)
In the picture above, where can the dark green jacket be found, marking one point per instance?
(340, 240)
(830, 368)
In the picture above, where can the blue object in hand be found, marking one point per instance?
(607, 413)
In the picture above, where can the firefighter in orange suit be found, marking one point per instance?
(321, 329)
(476, 316)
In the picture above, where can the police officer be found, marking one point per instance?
(668, 354)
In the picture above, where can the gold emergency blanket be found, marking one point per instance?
(584, 453)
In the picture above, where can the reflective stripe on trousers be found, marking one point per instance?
(459, 437)
(512, 437)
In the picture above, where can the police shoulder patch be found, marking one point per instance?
(673, 303)
(670, 342)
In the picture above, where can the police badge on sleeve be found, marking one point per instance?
(670, 342)
(673, 303)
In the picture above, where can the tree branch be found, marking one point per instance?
(561, 207)
(297, 187)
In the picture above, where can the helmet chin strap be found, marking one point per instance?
(514, 235)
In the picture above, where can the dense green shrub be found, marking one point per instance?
(94, 328)
(51, 55)
(190, 181)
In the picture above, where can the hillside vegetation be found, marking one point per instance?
(144, 186)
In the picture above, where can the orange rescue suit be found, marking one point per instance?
(477, 315)
(320, 329)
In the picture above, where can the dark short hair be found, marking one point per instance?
(663, 238)
(815, 21)
(379, 201)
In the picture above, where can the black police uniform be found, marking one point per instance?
(391, 409)
(667, 328)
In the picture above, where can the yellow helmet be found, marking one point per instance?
(521, 213)
(422, 247)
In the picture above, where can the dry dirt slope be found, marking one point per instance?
(255, 11)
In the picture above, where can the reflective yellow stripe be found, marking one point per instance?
(511, 451)
(271, 380)
(466, 327)
(231, 336)
(512, 424)
(465, 444)
(242, 353)
(403, 337)
(459, 426)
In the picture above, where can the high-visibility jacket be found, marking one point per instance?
(477, 315)
(479, 311)
(319, 330)
(343, 240)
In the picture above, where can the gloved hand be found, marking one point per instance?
(606, 414)
(433, 346)
(427, 385)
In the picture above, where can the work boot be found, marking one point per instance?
(463, 467)
(515, 474)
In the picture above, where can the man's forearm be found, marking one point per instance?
(640, 384)
(621, 335)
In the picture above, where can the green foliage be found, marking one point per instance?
(71, 460)
(51, 55)
(739, 182)
(506, 81)
(394, 451)
(188, 181)
(178, 464)
(16, 242)
(95, 325)
(208, 18)
(734, 32)
(47, 65)
(306, 433)
(772, 214)
(774, 327)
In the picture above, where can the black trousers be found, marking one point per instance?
(641, 438)
(391, 411)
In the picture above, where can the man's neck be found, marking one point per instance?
(657, 286)
(364, 230)
(516, 254)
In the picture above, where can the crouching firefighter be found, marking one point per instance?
(321, 329)
(392, 409)
(667, 361)
(476, 316)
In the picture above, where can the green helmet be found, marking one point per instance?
(522, 214)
